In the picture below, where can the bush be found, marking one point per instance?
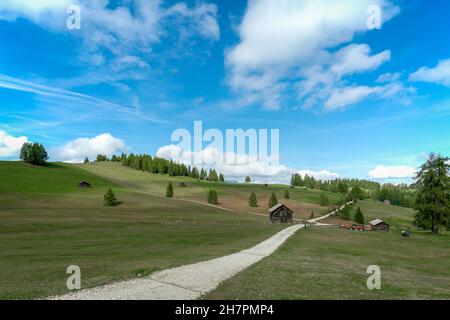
(34, 153)
(169, 191)
(110, 198)
(252, 201)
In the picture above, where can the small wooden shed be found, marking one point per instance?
(84, 184)
(281, 214)
(379, 225)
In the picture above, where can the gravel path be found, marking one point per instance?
(186, 282)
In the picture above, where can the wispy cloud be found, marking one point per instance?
(68, 99)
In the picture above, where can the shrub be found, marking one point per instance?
(359, 217)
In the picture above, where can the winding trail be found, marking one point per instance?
(186, 282)
(191, 281)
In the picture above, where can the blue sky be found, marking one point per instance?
(348, 101)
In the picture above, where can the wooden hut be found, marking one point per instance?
(281, 214)
(84, 184)
(379, 225)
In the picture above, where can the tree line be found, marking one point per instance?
(156, 165)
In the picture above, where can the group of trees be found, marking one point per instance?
(34, 153)
(157, 165)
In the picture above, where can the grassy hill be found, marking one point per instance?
(19, 177)
(328, 263)
(48, 223)
(231, 196)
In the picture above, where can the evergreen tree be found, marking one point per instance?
(248, 179)
(359, 217)
(252, 201)
(169, 191)
(221, 178)
(345, 213)
(273, 200)
(86, 160)
(286, 194)
(311, 215)
(212, 197)
(433, 195)
(215, 198)
(110, 198)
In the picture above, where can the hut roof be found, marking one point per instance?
(278, 206)
(377, 222)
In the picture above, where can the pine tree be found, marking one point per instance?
(110, 198)
(253, 201)
(86, 160)
(359, 217)
(215, 198)
(286, 194)
(169, 190)
(248, 179)
(221, 178)
(433, 195)
(273, 200)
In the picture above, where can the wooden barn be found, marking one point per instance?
(281, 214)
(84, 184)
(379, 225)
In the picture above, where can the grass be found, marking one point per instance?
(397, 217)
(49, 223)
(19, 177)
(328, 263)
(231, 196)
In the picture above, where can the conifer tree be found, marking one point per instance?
(273, 200)
(169, 191)
(110, 198)
(252, 201)
(359, 217)
(286, 194)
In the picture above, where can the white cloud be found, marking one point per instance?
(9, 145)
(440, 74)
(321, 175)
(77, 150)
(388, 77)
(341, 98)
(124, 28)
(280, 41)
(259, 171)
(392, 172)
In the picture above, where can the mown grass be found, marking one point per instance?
(48, 223)
(232, 196)
(328, 263)
(19, 177)
(397, 217)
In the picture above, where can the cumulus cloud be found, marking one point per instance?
(392, 172)
(321, 175)
(245, 165)
(77, 150)
(439, 74)
(282, 41)
(9, 145)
